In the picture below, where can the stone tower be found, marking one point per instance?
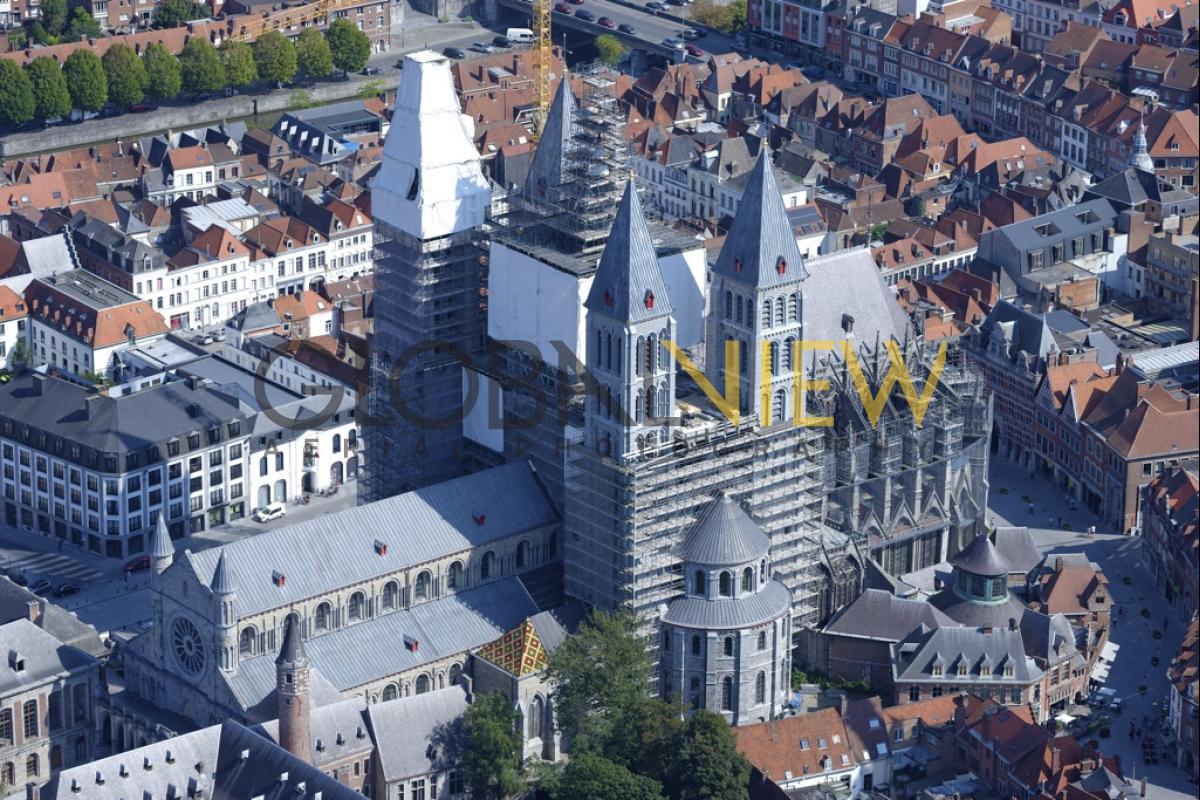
(225, 610)
(292, 689)
(628, 322)
(757, 301)
(162, 549)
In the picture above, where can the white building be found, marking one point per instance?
(12, 323)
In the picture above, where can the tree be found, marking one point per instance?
(728, 17)
(173, 13)
(16, 94)
(652, 740)
(200, 67)
(491, 757)
(313, 56)
(82, 26)
(737, 15)
(126, 75)
(610, 49)
(162, 72)
(593, 777)
(20, 357)
(708, 765)
(17, 39)
(86, 80)
(54, 16)
(349, 46)
(51, 100)
(600, 675)
(275, 56)
(38, 33)
(238, 60)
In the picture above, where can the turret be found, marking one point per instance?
(292, 690)
(225, 609)
(162, 549)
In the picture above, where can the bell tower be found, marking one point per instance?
(292, 689)
(225, 611)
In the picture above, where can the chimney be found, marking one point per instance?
(34, 610)
(91, 405)
(1055, 761)
(1143, 790)
(39, 383)
(1058, 564)
(844, 704)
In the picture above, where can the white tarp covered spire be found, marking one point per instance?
(430, 183)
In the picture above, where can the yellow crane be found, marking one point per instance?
(543, 58)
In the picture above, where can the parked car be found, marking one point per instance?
(605, 22)
(677, 2)
(270, 512)
(370, 71)
(502, 41)
(228, 91)
(688, 34)
(625, 27)
(41, 587)
(66, 590)
(700, 32)
(138, 564)
(563, 8)
(575, 2)
(694, 51)
(203, 339)
(671, 41)
(585, 15)
(483, 47)
(654, 5)
(453, 52)
(140, 108)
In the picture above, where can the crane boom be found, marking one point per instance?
(543, 55)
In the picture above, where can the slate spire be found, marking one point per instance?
(761, 249)
(292, 650)
(546, 170)
(222, 582)
(629, 286)
(160, 543)
(1139, 152)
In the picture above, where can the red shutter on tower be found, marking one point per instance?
(781, 266)
(649, 299)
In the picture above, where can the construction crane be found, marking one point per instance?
(543, 58)
(247, 28)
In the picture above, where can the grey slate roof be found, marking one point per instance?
(405, 728)
(761, 235)
(161, 545)
(368, 651)
(975, 614)
(771, 602)
(1044, 635)
(292, 649)
(59, 623)
(546, 170)
(875, 614)
(1016, 546)
(337, 550)
(336, 731)
(849, 283)
(1031, 333)
(950, 644)
(629, 286)
(724, 535)
(980, 557)
(45, 656)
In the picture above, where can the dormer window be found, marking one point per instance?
(737, 264)
(781, 265)
(649, 300)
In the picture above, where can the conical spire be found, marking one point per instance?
(222, 582)
(760, 249)
(629, 285)
(1139, 153)
(160, 543)
(292, 651)
(546, 171)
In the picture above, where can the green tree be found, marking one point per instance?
(38, 33)
(592, 777)
(51, 100)
(126, 75)
(600, 675)
(16, 94)
(350, 47)
(238, 60)
(86, 80)
(200, 67)
(610, 49)
(162, 72)
(491, 757)
(313, 56)
(652, 740)
(20, 357)
(737, 15)
(728, 17)
(173, 13)
(708, 765)
(82, 26)
(275, 56)
(17, 39)
(54, 16)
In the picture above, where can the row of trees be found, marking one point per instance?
(623, 743)
(43, 90)
(56, 25)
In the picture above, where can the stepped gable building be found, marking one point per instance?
(389, 599)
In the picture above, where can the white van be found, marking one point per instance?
(519, 35)
(269, 512)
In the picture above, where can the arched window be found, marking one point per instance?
(31, 766)
(695, 645)
(762, 640)
(650, 410)
(8, 775)
(766, 313)
(246, 641)
(485, 566)
(738, 315)
(31, 721)
(337, 443)
(789, 353)
(537, 712)
(422, 684)
(455, 674)
(728, 645)
(651, 353)
(639, 406)
(664, 401)
(779, 313)
(760, 688)
(390, 692)
(454, 576)
(725, 585)
(779, 406)
(6, 726)
(262, 466)
(794, 308)
(358, 607)
(424, 583)
(698, 583)
(773, 357)
(728, 304)
(56, 759)
(522, 554)
(762, 571)
(727, 694)
(639, 357)
(391, 595)
(748, 580)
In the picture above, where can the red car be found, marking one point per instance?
(695, 51)
(605, 22)
(137, 564)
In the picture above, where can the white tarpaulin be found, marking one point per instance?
(1109, 651)
(1064, 718)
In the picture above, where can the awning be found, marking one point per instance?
(1109, 651)
(1099, 672)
